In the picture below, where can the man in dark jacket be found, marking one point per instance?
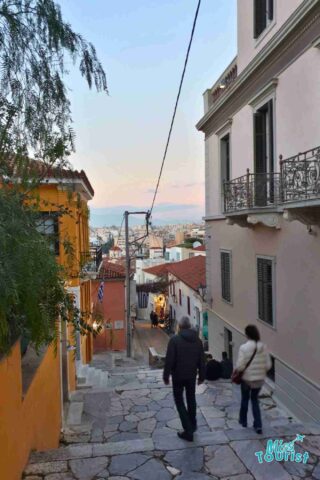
(226, 366)
(213, 369)
(184, 360)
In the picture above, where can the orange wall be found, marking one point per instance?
(112, 308)
(86, 341)
(30, 423)
(74, 229)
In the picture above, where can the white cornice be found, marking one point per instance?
(273, 43)
(267, 90)
(224, 127)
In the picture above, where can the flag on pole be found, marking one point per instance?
(100, 292)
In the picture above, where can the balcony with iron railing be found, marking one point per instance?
(90, 261)
(251, 191)
(294, 192)
(300, 177)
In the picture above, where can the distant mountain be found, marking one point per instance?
(164, 214)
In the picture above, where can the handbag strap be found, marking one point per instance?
(251, 358)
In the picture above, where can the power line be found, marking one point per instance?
(176, 104)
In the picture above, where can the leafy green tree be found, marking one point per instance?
(35, 112)
(35, 123)
(106, 246)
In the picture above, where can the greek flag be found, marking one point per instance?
(100, 292)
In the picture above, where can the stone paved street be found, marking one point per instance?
(128, 431)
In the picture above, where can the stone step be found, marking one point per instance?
(75, 413)
(89, 450)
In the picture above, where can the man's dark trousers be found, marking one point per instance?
(187, 415)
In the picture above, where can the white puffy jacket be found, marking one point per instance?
(259, 366)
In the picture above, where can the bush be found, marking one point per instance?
(32, 293)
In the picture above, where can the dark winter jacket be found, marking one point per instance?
(185, 357)
(213, 370)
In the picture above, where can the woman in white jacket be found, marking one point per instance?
(253, 376)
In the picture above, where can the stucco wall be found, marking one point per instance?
(298, 105)
(296, 126)
(297, 279)
(248, 46)
(32, 422)
(182, 310)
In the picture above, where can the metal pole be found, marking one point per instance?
(128, 319)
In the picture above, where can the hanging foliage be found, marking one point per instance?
(35, 122)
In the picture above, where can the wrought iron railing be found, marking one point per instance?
(300, 176)
(298, 180)
(253, 190)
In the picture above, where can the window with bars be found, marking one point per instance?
(265, 290)
(263, 15)
(48, 225)
(225, 258)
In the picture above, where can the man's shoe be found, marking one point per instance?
(243, 424)
(258, 430)
(185, 436)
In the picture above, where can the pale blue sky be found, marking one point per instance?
(120, 138)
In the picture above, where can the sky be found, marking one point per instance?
(120, 138)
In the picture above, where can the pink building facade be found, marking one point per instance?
(263, 196)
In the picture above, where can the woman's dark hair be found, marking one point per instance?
(252, 332)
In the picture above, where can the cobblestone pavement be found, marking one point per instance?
(128, 432)
(145, 336)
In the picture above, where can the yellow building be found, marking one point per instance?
(31, 402)
(64, 195)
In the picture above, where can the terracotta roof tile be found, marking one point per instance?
(47, 171)
(192, 271)
(157, 270)
(110, 270)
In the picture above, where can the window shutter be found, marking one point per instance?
(225, 276)
(265, 300)
(260, 158)
(271, 150)
(260, 17)
(270, 121)
(260, 142)
(228, 159)
(260, 288)
(189, 309)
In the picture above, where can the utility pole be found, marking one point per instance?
(128, 319)
(128, 299)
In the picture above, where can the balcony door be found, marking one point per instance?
(263, 155)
